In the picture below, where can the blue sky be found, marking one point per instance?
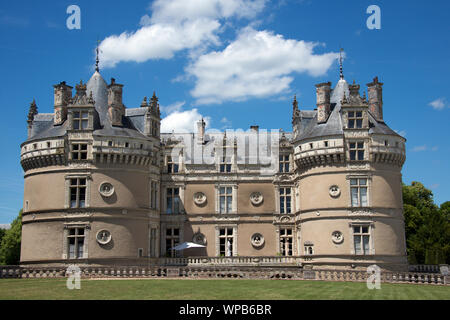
(235, 62)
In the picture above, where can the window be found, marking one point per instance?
(358, 187)
(173, 200)
(310, 145)
(153, 194)
(140, 252)
(110, 143)
(286, 240)
(80, 120)
(225, 165)
(309, 249)
(226, 242)
(325, 144)
(226, 199)
(284, 163)
(356, 150)
(172, 165)
(386, 143)
(285, 200)
(75, 243)
(77, 192)
(48, 144)
(361, 239)
(355, 119)
(172, 240)
(127, 144)
(79, 151)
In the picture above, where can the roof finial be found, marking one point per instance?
(96, 59)
(341, 72)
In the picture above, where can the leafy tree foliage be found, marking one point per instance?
(10, 243)
(426, 225)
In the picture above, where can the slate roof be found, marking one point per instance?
(309, 128)
(133, 121)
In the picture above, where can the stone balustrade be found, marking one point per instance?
(220, 270)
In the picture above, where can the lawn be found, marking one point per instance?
(167, 289)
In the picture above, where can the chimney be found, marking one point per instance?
(33, 111)
(62, 95)
(375, 92)
(323, 101)
(201, 124)
(354, 89)
(254, 129)
(116, 109)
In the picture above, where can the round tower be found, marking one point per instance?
(89, 170)
(348, 163)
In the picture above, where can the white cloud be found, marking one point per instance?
(182, 121)
(438, 104)
(5, 226)
(424, 148)
(419, 148)
(257, 64)
(176, 106)
(173, 26)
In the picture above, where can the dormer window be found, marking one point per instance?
(79, 151)
(80, 120)
(284, 163)
(355, 119)
(172, 165)
(386, 143)
(326, 144)
(310, 145)
(110, 143)
(356, 150)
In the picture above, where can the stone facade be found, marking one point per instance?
(104, 187)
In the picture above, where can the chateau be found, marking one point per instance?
(103, 185)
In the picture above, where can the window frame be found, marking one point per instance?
(284, 163)
(173, 194)
(361, 234)
(358, 186)
(286, 241)
(283, 197)
(356, 150)
(77, 118)
(356, 117)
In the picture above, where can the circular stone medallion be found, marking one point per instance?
(256, 198)
(257, 240)
(337, 237)
(335, 191)
(199, 198)
(103, 237)
(106, 189)
(199, 238)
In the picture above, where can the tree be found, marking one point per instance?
(2, 233)
(10, 244)
(426, 226)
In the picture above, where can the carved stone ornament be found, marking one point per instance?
(103, 237)
(199, 198)
(257, 240)
(335, 191)
(199, 238)
(106, 189)
(256, 198)
(337, 237)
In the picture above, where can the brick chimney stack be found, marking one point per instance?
(323, 101)
(375, 92)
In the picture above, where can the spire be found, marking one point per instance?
(97, 59)
(341, 72)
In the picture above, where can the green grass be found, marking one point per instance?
(167, 289)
